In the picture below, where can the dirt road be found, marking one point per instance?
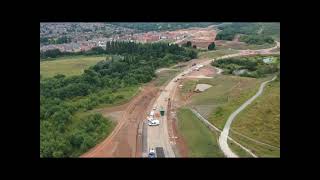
(225, 132)
(122, 142)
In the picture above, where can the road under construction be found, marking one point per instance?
(132, 137)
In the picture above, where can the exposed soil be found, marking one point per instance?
(122, 142)
(201, 37)
(179, 142)
(208, 71)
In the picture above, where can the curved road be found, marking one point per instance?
(158, 136)
(225, 132)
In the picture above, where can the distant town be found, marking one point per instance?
(76, 37)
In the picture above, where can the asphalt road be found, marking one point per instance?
(157, 136)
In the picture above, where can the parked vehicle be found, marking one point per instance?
(160, 152)
(152, 153)
(154, 122)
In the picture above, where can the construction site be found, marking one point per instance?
(147, 125)
(136, 133)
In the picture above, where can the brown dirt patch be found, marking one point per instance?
(122, 142)
(208, 71)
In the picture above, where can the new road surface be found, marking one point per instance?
(157, 136)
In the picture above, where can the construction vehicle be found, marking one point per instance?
(159, 152)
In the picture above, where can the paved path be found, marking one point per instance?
(211, 127)
(225, 132)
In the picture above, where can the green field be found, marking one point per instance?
(261, 121)
(97, 136)
(244, 46)
(238, 150)
(216, 53)
(127, 93)
(200, 140)
(70, 65)
(164, 76)
(188, 86)
(226, 95)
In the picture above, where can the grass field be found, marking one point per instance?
(188, 86)
(216, 53)
(226, 94)
(261, 121)
(71, 65)
(244, 46)
(238, 150)
(164, 76)
(128, 93)
(200, 140)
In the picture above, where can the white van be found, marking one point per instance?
(154, 122)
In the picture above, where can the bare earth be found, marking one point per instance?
(122, 142)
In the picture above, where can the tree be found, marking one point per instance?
(187, 44)
(211, 46)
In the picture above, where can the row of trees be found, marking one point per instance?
(157, 50)
(59, 40)
(54, 53)
(188, 44)
(61, 97)
(145, 27)
(256, 39)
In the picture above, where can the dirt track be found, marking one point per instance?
(122, 142)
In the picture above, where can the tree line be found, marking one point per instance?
(145, 27)
(253, 65)
(59, 40)
(55, 53)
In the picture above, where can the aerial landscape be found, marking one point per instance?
(160, 90)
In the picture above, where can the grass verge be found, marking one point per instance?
(200, 140)
(164, 76)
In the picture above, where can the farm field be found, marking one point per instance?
(70, 65)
